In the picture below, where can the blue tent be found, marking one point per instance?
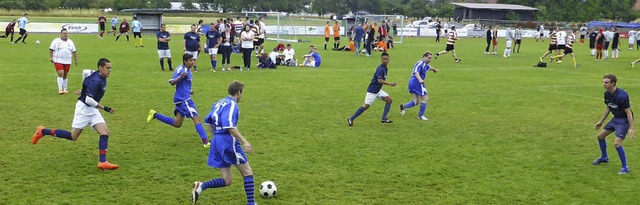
(596, 24)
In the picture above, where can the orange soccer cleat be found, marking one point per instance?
(37, 135)
(107, 165)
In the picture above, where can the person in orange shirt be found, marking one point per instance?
(352, 45)
(382, 44)
(327, 33)
(336, 36)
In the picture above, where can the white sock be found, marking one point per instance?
(509, 53)
(64, 84)
(593, 51)
(59, 79)
(606, 54)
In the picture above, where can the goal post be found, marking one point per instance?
(282, 33)
(396, 24)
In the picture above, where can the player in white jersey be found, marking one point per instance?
(561, 36)
(608, 36)
(571, 38)
(632, 38)
(509, 36)
(451, 41)
(518, 35)
(583, 33)
(60, 53)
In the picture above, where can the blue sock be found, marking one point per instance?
(167, 120)
(358, 113)
(102, 145)
(214, 64)
(195, 67)
(603, 148)
(57, 133)
(622, 155)
(215, 183)
(423, 108)
(410, 104)
(387, 107)
(202, 133)
(248, 188)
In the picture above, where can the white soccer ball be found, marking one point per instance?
(268, 189)
(37, 41)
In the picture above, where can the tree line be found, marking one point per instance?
(550, 10)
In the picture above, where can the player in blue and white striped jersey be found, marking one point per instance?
(185, 107)
(417, 87)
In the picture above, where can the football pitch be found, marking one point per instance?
(500, 131)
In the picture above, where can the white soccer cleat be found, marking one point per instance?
(423, 118)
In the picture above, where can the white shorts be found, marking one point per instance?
(85, 115)
(371, 97)
(213, 51)
(164, 53)
(193, 53)
(509, 43)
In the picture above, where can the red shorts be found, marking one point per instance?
(64, 67)
(495, 42)
(599, 47)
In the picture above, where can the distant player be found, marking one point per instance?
(608, 36)
(509, 36)
(541, 33)
(583, 33)
(261, 34)
(163, 46)
(137, 31)
(375, 91)
(327, 34)
(22, 23)
(489, 36)
(226, 149)
(184, 105)
(60, 53)
(616, 102)
(336, 35)
(518, 35)
(561, 39)
(191, 45)
(417, 87)
(568, 50)
(632, 38)
(553, 44)
(87, 113)
(615, 42)
(494, 41)
(599, 45)
(124, 29)
(9, 30)
(101, 25)
(592, 41)
(451, 41)
(638, 39)
(114, 25)
(213, 43)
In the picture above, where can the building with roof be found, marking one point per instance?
(493, 11)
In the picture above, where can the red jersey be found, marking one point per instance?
(102, 19)
(124, 27)
(10, 26)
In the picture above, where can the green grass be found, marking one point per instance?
(499, 132)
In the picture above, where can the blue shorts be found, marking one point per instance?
(186, 108)
(225, 151)
(620, 125)
(418, 89)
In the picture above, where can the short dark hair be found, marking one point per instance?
(161, 25)
(186, 57)
(612, 78)
(426, 54)
(64, 29)
(235, 87)
(135, 18)
(103, 61)
(384, 54)
(200, 21)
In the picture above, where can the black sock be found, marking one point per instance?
(12, 37)
(169, 62)
(162, 63)
(338, 45)
(325, 46)
(127, 38)
(25, 38)
(18, 39)
(117, 37)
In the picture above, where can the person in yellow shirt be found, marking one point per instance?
(336, 36)
(327, 33)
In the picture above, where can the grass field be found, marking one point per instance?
(499, 132)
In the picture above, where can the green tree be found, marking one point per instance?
(188, 4)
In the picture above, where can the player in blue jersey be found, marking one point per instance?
(22, 23)
(617, 103)
(191, 45)
(86, 113)
(136, 26)
(185, 107)
(163, 46)
(225, 147)
(417, 87)
(213, 42)
(375, 91)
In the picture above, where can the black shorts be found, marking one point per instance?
(8, 31)
(581, 36)
(568, 50)
(553, 47)
(606, 45)
(561, 47)
(22, 31)
(336, 38)
(326, 38)
(138, 34)
(449, 47)
(518, 41)
(102, 26)
(113, 27)
(614, 46)
(259, 42)
(541, 33)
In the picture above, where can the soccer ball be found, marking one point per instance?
(37, 41)
(268, 189)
